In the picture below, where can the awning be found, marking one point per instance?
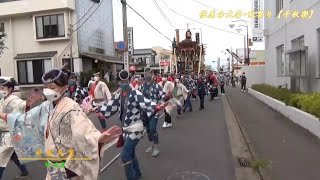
(102, 57)
(37, 55)
(296, 50)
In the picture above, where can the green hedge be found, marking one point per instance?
(308, 102)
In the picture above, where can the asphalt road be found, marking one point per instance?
(197, 142)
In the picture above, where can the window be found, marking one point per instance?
(2, 27)
(298, 58)
(281, 59)
(279, 6)
(31, 71)
(50, 26)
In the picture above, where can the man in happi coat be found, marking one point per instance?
(154, 92)
(130, 103)
(9, 103)
(76, 92)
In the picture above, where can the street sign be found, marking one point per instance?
(126, 60)
(164, 63)
(121, 46)
(130, 40)
(257, 35)
(257, 28)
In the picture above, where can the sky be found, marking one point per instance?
(215, 40)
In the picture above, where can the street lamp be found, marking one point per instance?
(238, 30)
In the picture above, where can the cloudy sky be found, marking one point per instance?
(215, 40)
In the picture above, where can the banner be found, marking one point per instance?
(130, 40)
(257, 28)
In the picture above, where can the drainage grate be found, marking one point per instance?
(188, 175)
(244, 162)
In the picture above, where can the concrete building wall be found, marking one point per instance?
(254, 74)
(281, 31)
(97, 32)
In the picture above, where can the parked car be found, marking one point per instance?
(16, 90)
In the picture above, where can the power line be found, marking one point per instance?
(148, 22)
(159, 8)
(203, 4)
(89, 16)
(199, 21)
(84, 15)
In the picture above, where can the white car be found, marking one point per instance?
(16, 90)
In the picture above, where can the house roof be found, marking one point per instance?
(102, 57)
(144, 51)
(36, 55)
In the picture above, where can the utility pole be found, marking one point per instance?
(232, 60)
(125, 34)
(71, 53)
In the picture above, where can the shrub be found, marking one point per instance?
(309, 103)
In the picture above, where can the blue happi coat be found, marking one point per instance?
(136, 105)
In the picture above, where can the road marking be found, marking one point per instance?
(118, 155)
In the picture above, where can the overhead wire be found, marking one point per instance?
(72, 31)
(159, 8)
(84, 14)
(199, 21)
(89, 16)
(148, 22)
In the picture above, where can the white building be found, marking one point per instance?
(38, 38)
(293, 45)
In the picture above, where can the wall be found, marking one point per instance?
(255, 74)
(282, 31)
(28, 6)
(22, 39)
(98, 31)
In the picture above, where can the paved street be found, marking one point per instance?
(292, 151)
(197, 142)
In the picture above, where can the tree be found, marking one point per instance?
(2, 45)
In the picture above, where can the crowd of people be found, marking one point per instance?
(60, 122)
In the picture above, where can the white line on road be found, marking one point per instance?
(118, 155)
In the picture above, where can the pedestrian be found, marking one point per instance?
(76, 92)
(10, 103)
(243, 81)
(188, 83)
(100, 94)
(222, 83)
(167, 87)
(152, 91)
(201, 84)
(130, 103)
(180, 93)
(61, 129)
(213, 85)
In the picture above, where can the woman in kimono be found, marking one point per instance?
(130, 103)
(100, 94)
(9, 103)
(59, 129)
(167, 86)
